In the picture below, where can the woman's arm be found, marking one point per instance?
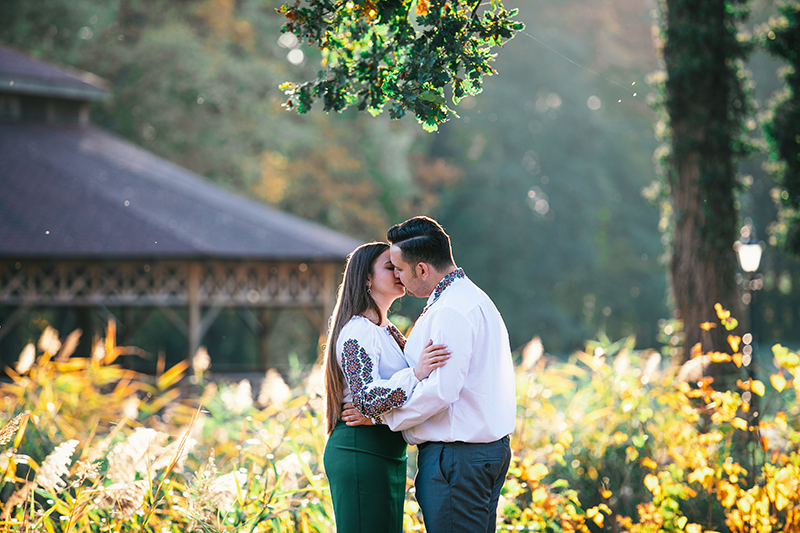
(372, 395)
(433, 356)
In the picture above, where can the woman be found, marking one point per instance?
(364, 364)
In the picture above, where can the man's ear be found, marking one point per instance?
(422, 271)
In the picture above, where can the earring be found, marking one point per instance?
(369, 289)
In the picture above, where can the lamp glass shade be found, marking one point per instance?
(749, 256)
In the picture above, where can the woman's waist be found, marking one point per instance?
(377, 440)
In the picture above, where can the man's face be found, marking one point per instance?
(415, 286)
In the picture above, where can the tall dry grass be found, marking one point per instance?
(91, 446)
(612, 439)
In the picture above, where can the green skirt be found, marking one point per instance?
(366, 469)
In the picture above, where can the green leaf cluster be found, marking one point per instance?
(374, 56)
(780, 37)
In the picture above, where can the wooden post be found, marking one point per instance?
(127, 316)
(84, 322)
(265, 320)
(193, 332)
(330, 284)
(12, 321)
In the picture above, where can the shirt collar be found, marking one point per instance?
(443, 284)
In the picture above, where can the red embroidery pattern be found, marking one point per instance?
(443, 284)
(357, 368)
(398, 337)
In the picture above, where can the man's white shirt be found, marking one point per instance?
(472, 397)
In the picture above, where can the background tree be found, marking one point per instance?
(780, 37)
(705, 107)
(538, 179)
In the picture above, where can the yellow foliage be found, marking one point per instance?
(649, 463)
(620, 437)
(778, 381)
(537, 472)
(735, 341)
(739, 423)
(697, 350)
(693, 528)
(727, 493)
(727, 405)
(780, 421)
(651, 482)
(275, 178)
(704, 476)
(596, 515)
(720, 357)
(785, 358)
(573, 423)
(220, 17)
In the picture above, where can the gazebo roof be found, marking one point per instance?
(22, 75)
(79, 192)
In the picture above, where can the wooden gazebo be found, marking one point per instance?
(90, 220)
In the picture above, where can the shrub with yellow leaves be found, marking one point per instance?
(612, 439)
(656, 447)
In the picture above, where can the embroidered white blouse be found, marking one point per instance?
(472, 397)
(376, 374)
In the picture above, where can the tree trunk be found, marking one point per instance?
(701, 90)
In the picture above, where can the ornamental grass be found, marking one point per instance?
(612, 438)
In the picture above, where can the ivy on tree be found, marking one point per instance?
(373, 55)
(780, 37)
(705, 105)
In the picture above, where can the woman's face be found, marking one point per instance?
(383, 281)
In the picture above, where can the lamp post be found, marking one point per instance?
(749, 251)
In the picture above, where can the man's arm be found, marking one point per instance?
(443, 386)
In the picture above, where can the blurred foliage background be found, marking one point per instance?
(539, 182)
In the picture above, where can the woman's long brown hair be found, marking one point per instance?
(352, 299)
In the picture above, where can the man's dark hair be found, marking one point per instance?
(422, 240)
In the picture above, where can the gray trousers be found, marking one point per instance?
(458, 484)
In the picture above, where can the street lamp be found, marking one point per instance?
(749, 251)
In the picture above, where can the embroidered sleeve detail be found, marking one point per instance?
(397, 336)
(357, 368)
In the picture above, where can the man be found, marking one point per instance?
(461, 415)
